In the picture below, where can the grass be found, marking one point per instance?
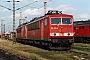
(80, 51)
(81, 45)
(33, 53)
(8, 45)
(81, 48)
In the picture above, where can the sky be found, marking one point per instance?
(80, 9)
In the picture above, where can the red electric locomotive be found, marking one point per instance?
(82, 31)
(54, 30)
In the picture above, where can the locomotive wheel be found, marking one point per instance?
(26, 42)
(40, 43)
(49, 45)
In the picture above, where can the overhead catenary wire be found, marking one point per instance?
(6, 7)
(20, 20)
(26, 5)
(50, 0)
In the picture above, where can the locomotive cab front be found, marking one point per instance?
(61, 29)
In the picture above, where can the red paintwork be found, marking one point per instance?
(24, 31)
(62, 28)
(37, 33)
(18, 35)
(82, 32)
(44, 31)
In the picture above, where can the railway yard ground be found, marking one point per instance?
(78, 51)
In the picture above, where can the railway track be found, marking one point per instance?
(5, 55)
(75, 55)
(81, 51)
(78, 51)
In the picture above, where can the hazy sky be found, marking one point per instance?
(80, 9)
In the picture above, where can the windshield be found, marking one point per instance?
(66, 20)
(61, 20)
(55, 20)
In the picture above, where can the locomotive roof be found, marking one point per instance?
(23, 24)
(50, 12)
(82, 23)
